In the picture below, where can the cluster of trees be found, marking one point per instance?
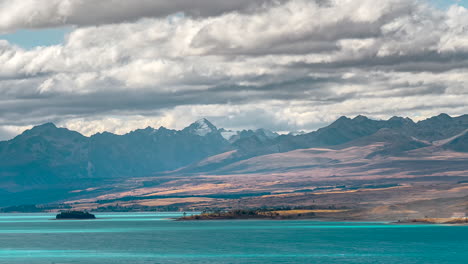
(75, 215)
(232, 214)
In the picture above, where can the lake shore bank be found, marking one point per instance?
(319, 215)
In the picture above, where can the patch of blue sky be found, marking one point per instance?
(447, 3)
(31, 38)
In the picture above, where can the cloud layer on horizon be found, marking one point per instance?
(282, 65)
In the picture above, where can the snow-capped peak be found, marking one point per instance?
(201, 127)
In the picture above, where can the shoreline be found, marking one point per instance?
(319, 215)
(301, 217)
(437, 221)
(390, 222)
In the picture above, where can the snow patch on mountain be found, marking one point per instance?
(228, 134)
(296, 133)
(201, 128)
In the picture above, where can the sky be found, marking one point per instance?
(284, 65)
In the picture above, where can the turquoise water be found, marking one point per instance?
(153, 238)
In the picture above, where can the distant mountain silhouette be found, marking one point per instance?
(46, 155)
(47, 163)
(394, 137)
(149, 150)
(346, 130)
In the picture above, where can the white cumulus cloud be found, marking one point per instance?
(283, 65)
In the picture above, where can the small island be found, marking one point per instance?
(75, 215)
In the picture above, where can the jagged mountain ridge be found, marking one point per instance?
(397, 135)
(46, 151)
(48, 156)
(346, 129)
(262, 134)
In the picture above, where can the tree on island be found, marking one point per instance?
(75, 215)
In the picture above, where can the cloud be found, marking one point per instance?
(285, 65)
(299, 27)
(16, 14)
(9, 132)
(5, 135)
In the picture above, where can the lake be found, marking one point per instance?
(154, 238)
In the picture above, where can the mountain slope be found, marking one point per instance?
(43, 155)
(459, 143)
(394, 143)
(142, 152)
(345, 130)
(382, 144)
(46, 155)
(440, 127)
(390, 138)
(48, 163)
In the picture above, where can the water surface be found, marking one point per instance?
(154, 238)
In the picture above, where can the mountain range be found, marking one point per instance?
(48, 164)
